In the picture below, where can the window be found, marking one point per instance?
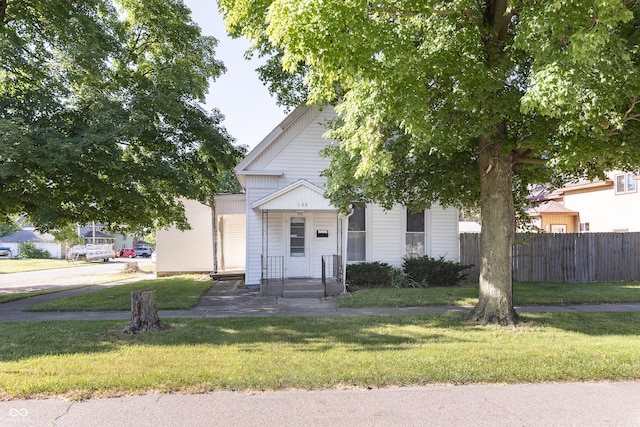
(357, 235)
(414, 241)
(583, 227)
(296, 246)
(625, 183)
(558, 228)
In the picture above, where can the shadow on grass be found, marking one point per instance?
(380, 333)
(594, 324)
(23, 340)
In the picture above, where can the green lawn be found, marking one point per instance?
(93, 358)
(24, 264)
(523, 294)
(172, 293)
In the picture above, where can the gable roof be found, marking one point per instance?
(241, 167)
(27, 236)
(550, 207)
(297, 196)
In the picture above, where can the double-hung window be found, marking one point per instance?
(415, 236)
(357, 235)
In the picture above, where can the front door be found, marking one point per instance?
(298, 247)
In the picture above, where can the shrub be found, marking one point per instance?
(368, 275)
(434, 272)
(29, 250)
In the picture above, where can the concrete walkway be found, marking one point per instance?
(228, 299)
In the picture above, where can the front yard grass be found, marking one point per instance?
(523, 294)
(82, 359)
(22, 265)
(172, 293)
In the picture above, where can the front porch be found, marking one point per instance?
(301, 288)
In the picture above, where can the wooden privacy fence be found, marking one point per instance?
(570, 257)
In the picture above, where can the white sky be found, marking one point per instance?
(250, 112)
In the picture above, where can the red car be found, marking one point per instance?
(125, 253)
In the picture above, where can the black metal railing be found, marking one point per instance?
(331, 268)
(272, 269)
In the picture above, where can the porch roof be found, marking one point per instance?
(297, 196)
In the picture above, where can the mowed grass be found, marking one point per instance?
(94, 358)
(523, 294)
(24, 264)
(172, 293)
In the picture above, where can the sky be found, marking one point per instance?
(250, 111)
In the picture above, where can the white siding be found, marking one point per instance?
(323, 245)
(230, 204)
(301, 157)
(443, 236)
(232, 242)
(190, 250)
(309, 128)
(384, 235)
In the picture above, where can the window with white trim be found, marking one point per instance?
(583, 227)
(625, 183)
(414, 239)
(357, 235)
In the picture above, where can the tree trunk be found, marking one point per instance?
(144, 316)
(495, 304)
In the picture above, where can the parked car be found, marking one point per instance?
(5, 251)
(126, 253)
(143, 252)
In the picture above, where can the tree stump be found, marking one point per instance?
(132, 267)
(144, 316)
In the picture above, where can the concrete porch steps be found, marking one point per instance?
(303, 290)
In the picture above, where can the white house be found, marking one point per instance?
(291, 227)
(288, 232)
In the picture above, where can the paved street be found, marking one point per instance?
(568, 404)
(88, 273)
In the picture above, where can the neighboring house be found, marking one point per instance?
(609, 205)
(292, 230)
(102, 238)
(44, 241)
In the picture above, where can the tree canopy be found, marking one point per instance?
(100, 111)
(460, 102)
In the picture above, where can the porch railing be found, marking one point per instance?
(331, 268)
(272, 269)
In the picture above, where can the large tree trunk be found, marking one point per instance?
(495, 304)
(144, 316)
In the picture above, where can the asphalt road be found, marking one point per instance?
(93, 272)
(568, 404)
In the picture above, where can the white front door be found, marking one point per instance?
(298, 246)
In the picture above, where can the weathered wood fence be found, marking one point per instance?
(570, 257)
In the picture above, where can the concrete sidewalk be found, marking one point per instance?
(495, 405)
(229, 299)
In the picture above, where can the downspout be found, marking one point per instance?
(345, 242)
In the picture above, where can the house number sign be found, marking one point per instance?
(303, 204)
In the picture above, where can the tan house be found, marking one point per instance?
(610, 205)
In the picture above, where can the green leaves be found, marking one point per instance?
(417, 83)
(99, 112)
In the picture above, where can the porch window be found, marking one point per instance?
(297, 237)
(415, 234)
(357, 235)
